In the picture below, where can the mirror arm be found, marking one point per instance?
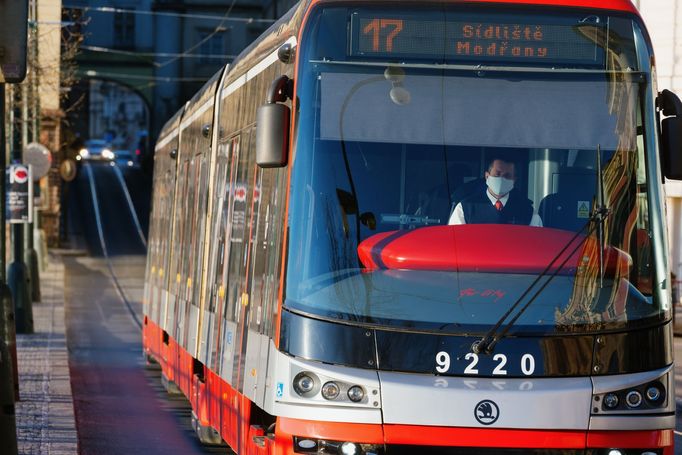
(669, 103)
(280, 90)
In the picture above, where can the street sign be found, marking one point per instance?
(40, 159)
(19, 207)
(13, 36)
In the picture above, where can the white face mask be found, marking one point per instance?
(499, 185)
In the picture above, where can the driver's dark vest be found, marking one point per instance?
(478, 209)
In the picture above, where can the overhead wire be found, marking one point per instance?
(218, 28)
(187, 52)
(93, 73)
(108, 9)
(153, 54)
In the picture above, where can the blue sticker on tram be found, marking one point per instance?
(229, 337)
(280, 389)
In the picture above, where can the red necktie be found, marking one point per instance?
(498, 205)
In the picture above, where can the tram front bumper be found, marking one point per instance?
(431, 440)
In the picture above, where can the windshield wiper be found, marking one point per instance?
(600, 206)
(487, 343)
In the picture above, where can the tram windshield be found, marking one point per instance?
(413, 124)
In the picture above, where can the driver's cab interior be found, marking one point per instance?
(422, 184)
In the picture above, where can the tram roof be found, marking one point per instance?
(613, 5)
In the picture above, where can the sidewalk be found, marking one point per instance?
(45, 419)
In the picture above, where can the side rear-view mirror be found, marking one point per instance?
(272, 126)
(671, 135)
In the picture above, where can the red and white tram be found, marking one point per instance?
(326, 275)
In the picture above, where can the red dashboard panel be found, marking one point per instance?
(484, 248)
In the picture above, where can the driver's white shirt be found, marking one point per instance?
(457, 216)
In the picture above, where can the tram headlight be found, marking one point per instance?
(654, 393)
(356, 394)
(611, 400)
(304, 383)
(306, 444)
(324, 446)
(330, 390)
(349, 448)
(633, 399)
(615, 452)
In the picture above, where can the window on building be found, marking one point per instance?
(124, 30)
(254, 31)
(212, 44)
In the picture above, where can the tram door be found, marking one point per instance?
(265, 267)
(227, 325)
(216, 264)
(238, 266)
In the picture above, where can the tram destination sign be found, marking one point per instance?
(496, 38)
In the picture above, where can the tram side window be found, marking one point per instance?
(178, 228)
(239, 235)
(186, 253)
(266, 249)
(166, 225)
(218, 232)
(252, 280)
(158, 237)
(152, 240)
(199, 229)
(226, 161)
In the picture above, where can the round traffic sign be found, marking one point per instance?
(19, 173)
(39, 157)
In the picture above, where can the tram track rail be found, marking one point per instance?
(100, 232)
(131, 206)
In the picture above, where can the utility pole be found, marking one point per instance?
(17, 274)
(8, 362)
(30, 90)
(10, 319)
(13, 34)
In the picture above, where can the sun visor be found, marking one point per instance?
(468, 111)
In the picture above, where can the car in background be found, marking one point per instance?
(96, 149)
(123, 158)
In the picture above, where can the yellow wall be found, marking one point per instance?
(49, 32)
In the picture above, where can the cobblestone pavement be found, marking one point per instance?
(45, 419)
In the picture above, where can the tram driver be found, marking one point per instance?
(496, 202)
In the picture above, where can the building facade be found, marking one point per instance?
(160, 51)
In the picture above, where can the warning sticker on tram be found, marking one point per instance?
(483, 37)
(240, 193)
(583, 209)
